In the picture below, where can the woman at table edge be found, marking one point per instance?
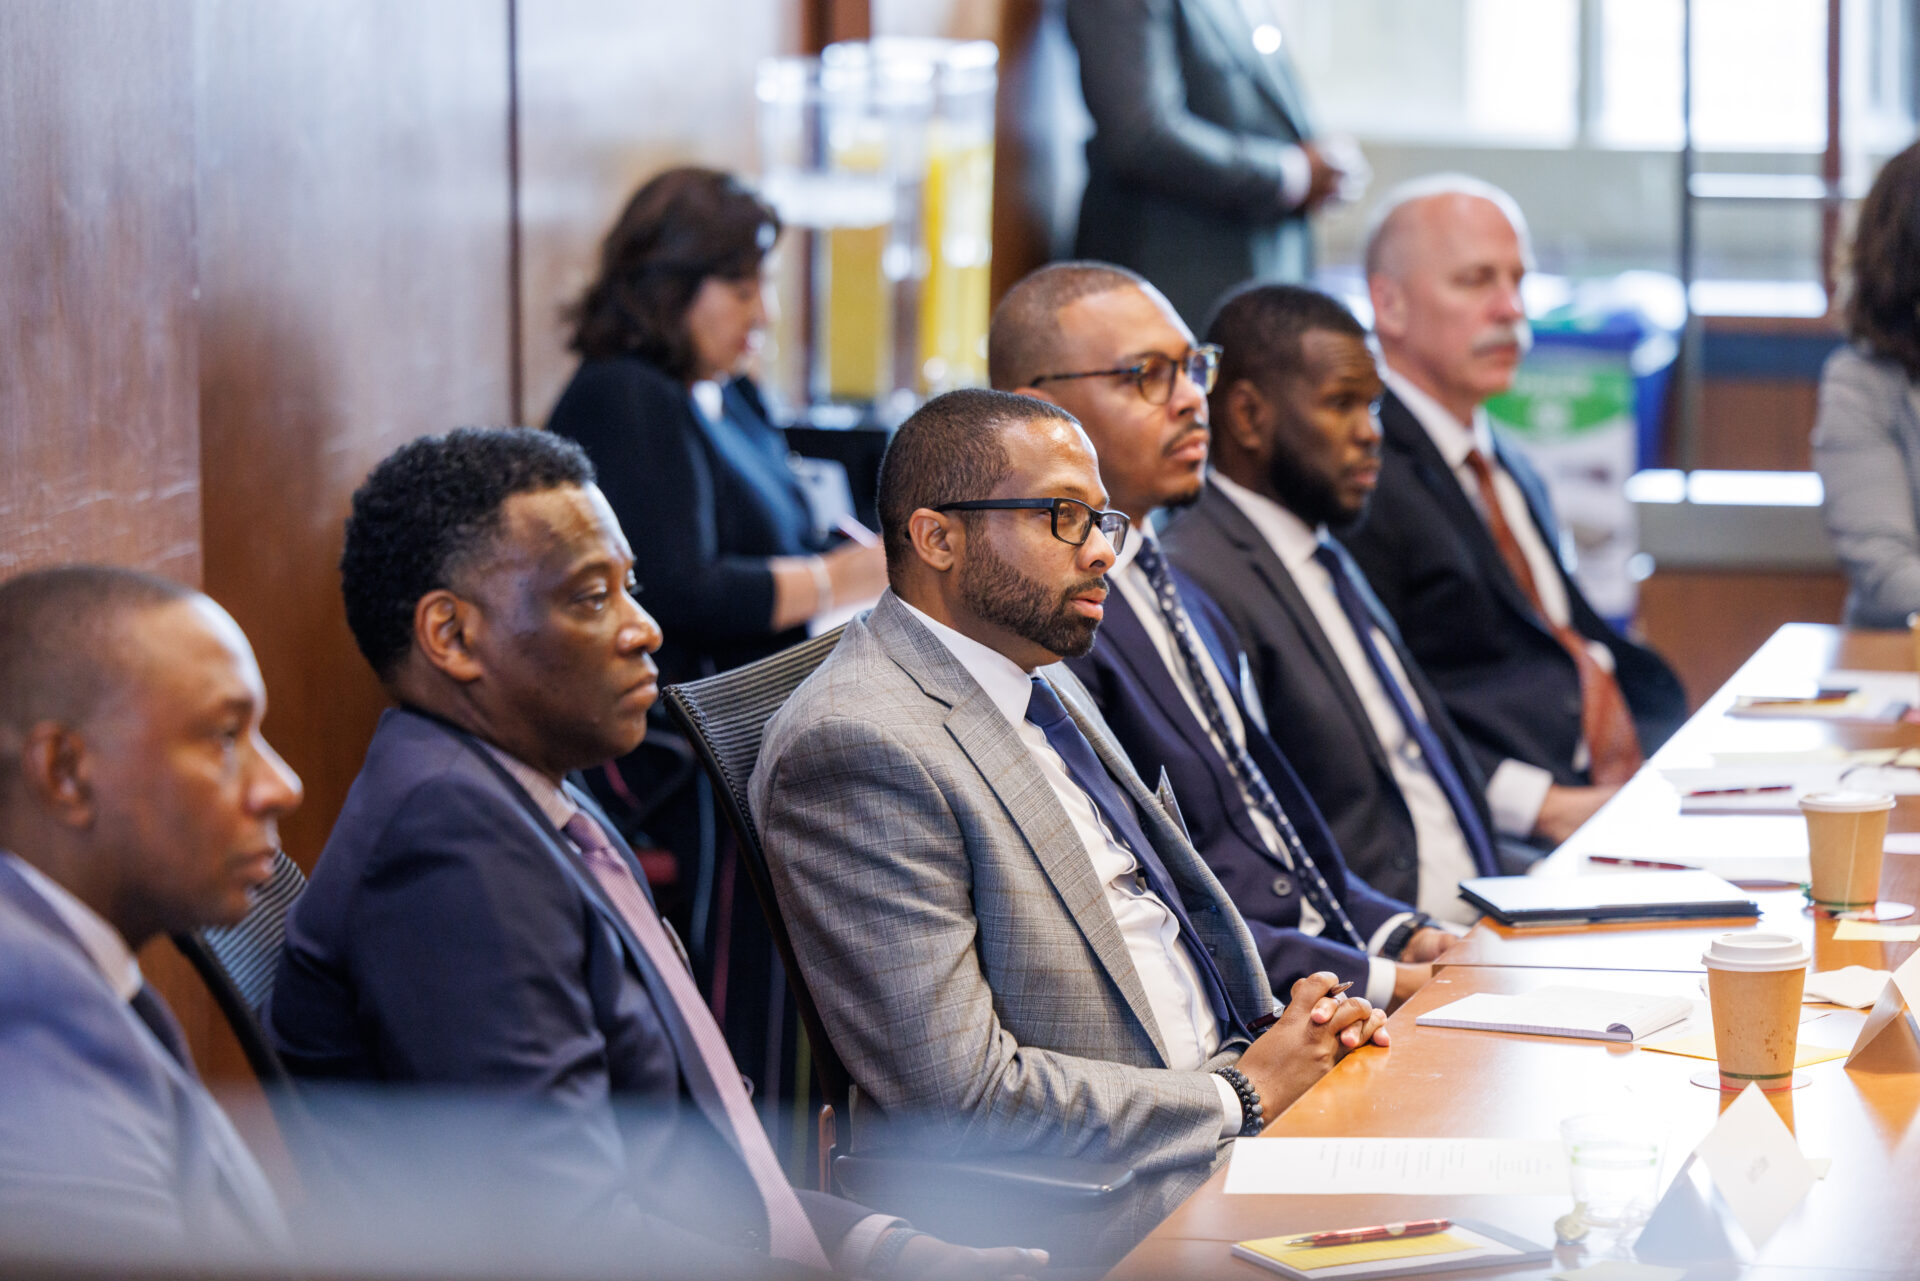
(1866, 439)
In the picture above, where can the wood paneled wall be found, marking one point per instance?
(246, 249)
(99, 430)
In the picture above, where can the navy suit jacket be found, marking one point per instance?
(1313, 712)
(1509, 685)
(1150, 718)
(450, 936)
(106, 1143)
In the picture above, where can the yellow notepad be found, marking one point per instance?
(1700, 1046)
(1309, 1258)
(1874, 932)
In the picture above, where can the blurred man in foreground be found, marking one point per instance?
(137, 797)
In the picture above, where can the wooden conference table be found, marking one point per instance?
(1860, 1220)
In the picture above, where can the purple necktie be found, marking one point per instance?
(712, 1076)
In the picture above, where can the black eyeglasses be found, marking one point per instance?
(1073, 520)
(1156, 374)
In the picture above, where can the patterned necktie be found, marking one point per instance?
(1439, 764)
(712, 1076)
(1613, 744)
(1246, 773)
(1046, 712)
(153, 1011)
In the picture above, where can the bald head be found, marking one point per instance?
(1402, 227)
(64, 647)
(1023, 343)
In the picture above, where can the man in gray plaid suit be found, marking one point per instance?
(1013, 945)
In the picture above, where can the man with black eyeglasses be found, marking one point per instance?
(1014, 947)
(1168, 673)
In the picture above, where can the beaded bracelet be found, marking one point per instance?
(1252, 1120)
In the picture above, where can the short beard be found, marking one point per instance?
(1314, 499)
(1000, 594)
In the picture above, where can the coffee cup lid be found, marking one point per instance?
(1757, 950)
(1846, 802)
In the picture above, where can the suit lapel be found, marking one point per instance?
(1275, 79)
(1404, 433)
(1257, 553)
(1007, 768)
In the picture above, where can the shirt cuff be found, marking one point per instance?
(1515, 794)
(1381, 974)
(1296, 177)
(1232, 1115)
(855, 1251)
(1385, 932)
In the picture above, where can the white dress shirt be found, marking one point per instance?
(1445, 857)
(1175, 992)
(104, 946)
(1517, 789)
(1133, 584)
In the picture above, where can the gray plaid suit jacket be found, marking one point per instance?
(952, 929)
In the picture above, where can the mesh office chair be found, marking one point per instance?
(997, 1201)
(238, 963)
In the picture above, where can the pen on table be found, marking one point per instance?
(1385, 1231)
(1656, 865)
(1740, 791)
(856, 531)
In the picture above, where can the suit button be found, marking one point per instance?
(1282, 886)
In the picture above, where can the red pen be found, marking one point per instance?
(1353, 1236)
(1610, 861)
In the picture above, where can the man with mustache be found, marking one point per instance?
(137, 797)
(1014, 948)
(1461, 544)
(1105, 345)
(1296, 452)
(477, 924)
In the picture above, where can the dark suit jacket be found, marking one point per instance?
(1183, 169)
(106, 1143)
(1153, 724)
(704, 506)
(1511, 688)
(451, 937)
(1313, 712)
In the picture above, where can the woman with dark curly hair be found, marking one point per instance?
(1866, 441)
(723, 542)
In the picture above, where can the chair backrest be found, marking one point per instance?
(238, 964)
(726, 717)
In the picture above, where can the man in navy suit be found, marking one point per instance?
(137, 797)
(476, 922)
(1461, 544)
(1296, 450)
(1104, 345)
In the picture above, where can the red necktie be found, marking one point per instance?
(713, 1078)
(1612, 742)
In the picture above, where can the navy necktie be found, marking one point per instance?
(1439, 764)
(1246, 772)
(1050, 716)
(153, 1011)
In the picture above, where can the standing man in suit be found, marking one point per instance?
(475, 922)
(1461, 544)
(1296, 452)
(1015, 947)
(1104, 345)
(1203, 167)
(137, 797)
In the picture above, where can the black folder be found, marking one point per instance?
(1625, 896)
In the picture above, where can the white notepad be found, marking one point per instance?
(1564, 1011)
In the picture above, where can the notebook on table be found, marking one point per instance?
(1563, 1011)
(1628, 896)
(1466, 1244)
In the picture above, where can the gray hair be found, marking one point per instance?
(1384, 225)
